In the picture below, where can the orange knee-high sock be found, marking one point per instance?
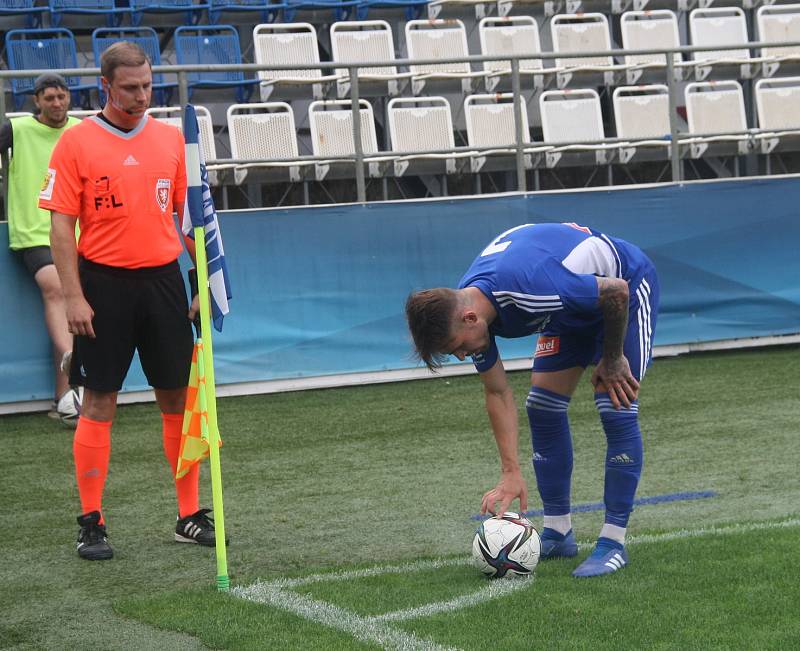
(91, 448)
(187, 487)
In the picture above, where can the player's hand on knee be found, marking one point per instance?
(79, 317)
(615, 378)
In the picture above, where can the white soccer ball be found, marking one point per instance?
(69, 406)
(507, 545)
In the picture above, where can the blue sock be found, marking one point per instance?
(605, 545)
(552, 534)
(552, 448)
(623, 458)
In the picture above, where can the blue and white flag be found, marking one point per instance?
(199, 211)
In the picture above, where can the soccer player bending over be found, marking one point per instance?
(592, 299)
(122, 175)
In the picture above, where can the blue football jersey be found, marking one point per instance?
(542, 276)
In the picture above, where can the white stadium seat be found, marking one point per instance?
(574, 116)
(331, 123)
(646, 30)
(438, 39)
(716, 107)
(417, 124)
(260, 131)
(717, 26)
(288, 44)
(510, 35)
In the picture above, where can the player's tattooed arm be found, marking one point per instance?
(613, 373)
(613, 301)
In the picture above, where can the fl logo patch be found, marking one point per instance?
(162, 193)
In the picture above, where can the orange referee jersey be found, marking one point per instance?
(123, 187)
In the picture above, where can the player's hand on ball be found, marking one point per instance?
(511, 486)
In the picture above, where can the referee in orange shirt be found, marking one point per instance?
(122, 175)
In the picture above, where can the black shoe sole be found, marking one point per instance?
(98, 557)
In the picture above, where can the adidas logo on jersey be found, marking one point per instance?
(538, 457)
(621, 458)
(130, 160)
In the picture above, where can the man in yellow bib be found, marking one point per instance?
(31, 140)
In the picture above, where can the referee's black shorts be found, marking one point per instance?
(134, 309)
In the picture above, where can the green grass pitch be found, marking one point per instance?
(350, 517)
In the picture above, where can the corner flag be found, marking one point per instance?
(200, 222)
(199, 212)
(194, 433)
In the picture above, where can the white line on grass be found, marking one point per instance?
(492, 591)
(366, 629)
(347, 575)
(713, 531)
(377, 629)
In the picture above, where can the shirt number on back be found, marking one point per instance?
(496, 246)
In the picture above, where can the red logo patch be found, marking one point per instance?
(547, 346)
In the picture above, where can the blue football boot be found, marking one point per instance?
(558, 545)
(608, 556)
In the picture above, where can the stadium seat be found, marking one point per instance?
(644, 30)
(289, 44)
(574, 116)
(716, 26)
(27, 8)
(412, 8)
(172, 115)
(268, 10)
(212, 45)
(147, 39)
(511, 35)
(778, 23)
(778, 105)
(716, 116)
(641, 116)
(438, 39)
(573, 33)
(331, 123)
(369, 40)
(491, 128)
(262, 131)
(38, 49)
(113, 14)
(192, 11)
(342, 9)
(83, 113)
(440, 8)
(422, 125)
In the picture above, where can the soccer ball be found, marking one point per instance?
(507, 545)
(69, 406)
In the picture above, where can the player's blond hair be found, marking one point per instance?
(121, 53)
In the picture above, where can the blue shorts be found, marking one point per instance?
(556, 351)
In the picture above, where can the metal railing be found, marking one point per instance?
(520, 145)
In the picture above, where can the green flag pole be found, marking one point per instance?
(223, 582)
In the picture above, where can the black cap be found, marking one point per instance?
(49, 80)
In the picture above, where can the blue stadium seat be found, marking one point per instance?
(213, 45)
(413, 8)
(191, 10)
(86, 7)
(40, 49)
(147, 39)
(341, 8)
(33, 14)
(269, 9)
